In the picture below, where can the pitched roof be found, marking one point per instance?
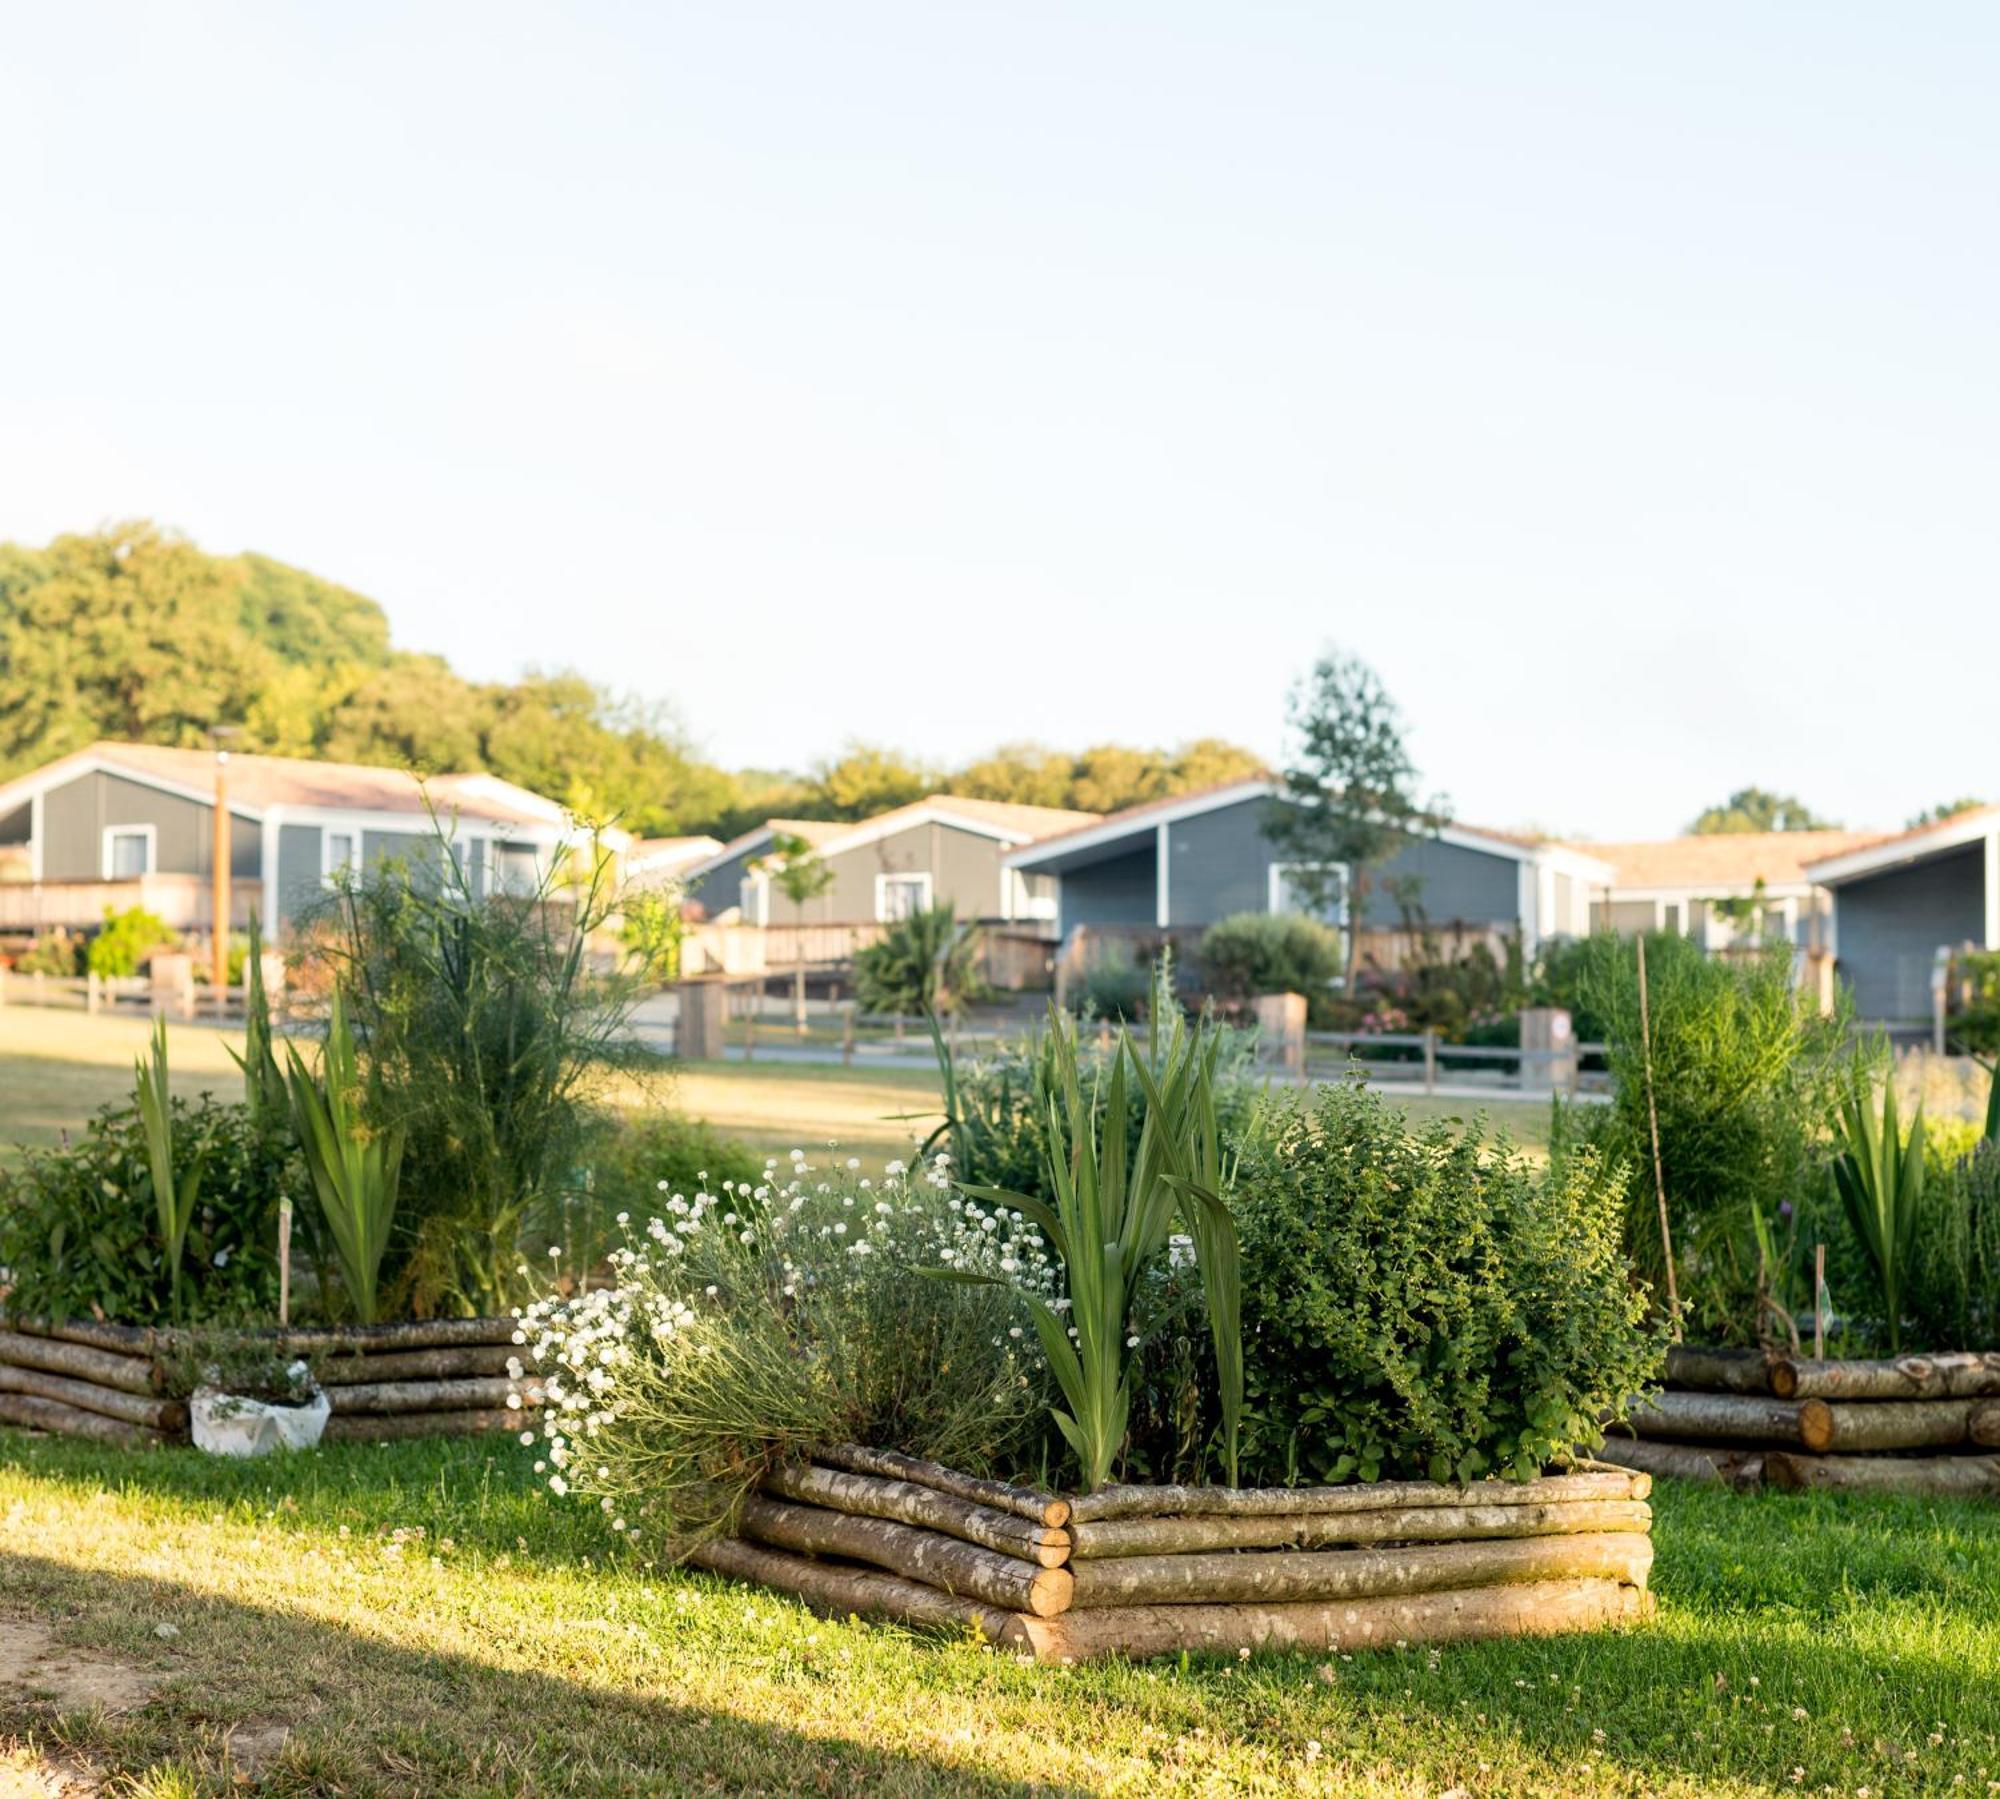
(1116, 825)
(1726, 859)
(1011, 823)
(257, 783)
(1887, 850)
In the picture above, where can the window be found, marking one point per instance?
(897, 896)
(128, 852)
(1291, 893)
(753, 898)
(340, 853)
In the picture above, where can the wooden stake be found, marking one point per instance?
(284, 1261)
(1819, 1302)
(1659, 1171)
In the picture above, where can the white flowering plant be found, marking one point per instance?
(750, 1323)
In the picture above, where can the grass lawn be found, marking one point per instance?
(57, 1068)
(418, 1619)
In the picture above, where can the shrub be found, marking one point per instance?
(751, 1322)
(1747, 1077)
(80, 1236)
(1263, 952)
(58, 953)
(1117, 992)
(1417, 1305)
(1953, 1294)
(127, 940)
(925, 964)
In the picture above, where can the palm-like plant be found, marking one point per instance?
(1881, 1181)
(1111, 1218)
(173, 1200)
(927, 963)
(355, 1172)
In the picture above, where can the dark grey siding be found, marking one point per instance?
(1119, 890)
(1454, 885)
(1889, 927)
(1219, 863)
(75, 815)
(722, 886)
(299, 866)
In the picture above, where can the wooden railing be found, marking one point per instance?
(182, 901)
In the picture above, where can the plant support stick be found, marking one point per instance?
(1659, 1172)
(284, 1261)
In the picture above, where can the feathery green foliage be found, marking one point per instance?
(927, 963)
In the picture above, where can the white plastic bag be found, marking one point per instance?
(228, 1424)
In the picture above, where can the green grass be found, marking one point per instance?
(419, 1619)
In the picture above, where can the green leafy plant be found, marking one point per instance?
(173, 1198)
(1263, 952)
(126, 940)
(923, 964)
(59, 953)
(80, 1235)
(264, 1090)
(1880, 1176)
(355, 1171)
(1113, 1210)
(1426, 1305)
(241, 1365)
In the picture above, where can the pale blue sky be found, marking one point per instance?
(1620, 381)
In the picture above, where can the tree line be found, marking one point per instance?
(134, 633)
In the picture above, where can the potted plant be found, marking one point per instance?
(250, 1398)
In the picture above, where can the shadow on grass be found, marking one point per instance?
(355, 1713)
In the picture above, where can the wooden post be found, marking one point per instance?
(218, 973)
(284, 1261)
(1430, 1059)
(1659, 1170)
(847, 1038)
(1819, 1302)
(91, 993)
(750, 1025)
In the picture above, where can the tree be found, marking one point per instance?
(1752, 809)
(1350, 790)
(1020, 774)
(1936, 815)
(1211, 762)
(800, 876)
(864, 780)
(1111, 776)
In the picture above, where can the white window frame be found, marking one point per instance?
(1275, 888)
(921, 876)
(328, 868)
(753, 897)
(151, 833)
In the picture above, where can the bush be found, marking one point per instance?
(1117, 992)
(1953, 1292)
(632, 1162)
(1263, 952)
(1746, 1076)
(748, 1323)
(58, 953)
(80, 1235)
(1416, 1305)
(127, 940)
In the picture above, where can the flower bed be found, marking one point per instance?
(1143, 1571)
(1748, 1420)
(114, 1383)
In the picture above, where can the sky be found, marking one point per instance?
(1620, 382)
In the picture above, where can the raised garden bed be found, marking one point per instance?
(108, 1382)
(1913, 1424)
(1142, 1571)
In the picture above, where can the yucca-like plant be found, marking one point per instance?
(173, 1200)
(264, 1090)
(1111, 1218)
(1881, 1181)
(355, 1172)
